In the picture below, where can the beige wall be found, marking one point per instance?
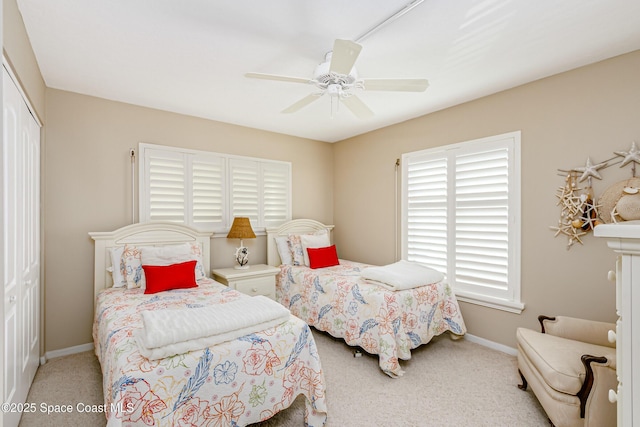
(88, 188)
(591, 111)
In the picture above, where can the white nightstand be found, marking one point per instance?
(256, 280)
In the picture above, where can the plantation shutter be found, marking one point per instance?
(165, 187)
(427, 211)
(245, 193)
(276, 179)
(208, 178)
(482, 221)
(461, 216)
(207, 190)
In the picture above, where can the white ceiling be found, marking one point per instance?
(190, 56)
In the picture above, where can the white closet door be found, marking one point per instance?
(21, 251)
(30, 263)
(11, 138)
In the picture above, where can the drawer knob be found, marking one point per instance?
(613, 396)
(611, 275)
(254, 290)
(611, 336)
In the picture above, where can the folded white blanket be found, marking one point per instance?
(402, 275)
(169, 332)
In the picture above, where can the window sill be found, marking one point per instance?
(485, 301)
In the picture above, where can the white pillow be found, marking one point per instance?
(318, 240)
(173, 254)
(117, 267)
(133, 257)
(282, 243)
(165, 255)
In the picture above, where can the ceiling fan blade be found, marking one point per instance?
(401, 85)
(277, 77)
(357, 107)
(344, 55)
(301, 103)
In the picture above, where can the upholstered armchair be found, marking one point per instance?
(570, 367)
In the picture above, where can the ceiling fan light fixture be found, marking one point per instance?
(335, 90)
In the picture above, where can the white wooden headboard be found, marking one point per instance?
(296, 226)
(152, 233)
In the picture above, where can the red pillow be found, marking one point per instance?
(166, 277)
(323, 257)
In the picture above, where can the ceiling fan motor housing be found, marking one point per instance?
(325, 77)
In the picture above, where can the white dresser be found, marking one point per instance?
(624, 239)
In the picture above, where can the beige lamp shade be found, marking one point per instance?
(241, 229)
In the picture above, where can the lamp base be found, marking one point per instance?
(242, 257)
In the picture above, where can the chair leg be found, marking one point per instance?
(522, 386)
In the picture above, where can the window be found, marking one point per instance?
(461, 216)
(207, 190)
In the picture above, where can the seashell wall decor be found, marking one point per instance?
(579, 211)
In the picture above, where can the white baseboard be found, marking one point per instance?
(89, 346)
(491, 344)
(65, 352)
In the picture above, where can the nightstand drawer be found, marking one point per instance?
(255, 280)
(258, 286)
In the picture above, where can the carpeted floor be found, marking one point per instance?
(446, 383)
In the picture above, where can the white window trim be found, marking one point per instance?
(219, 231)
(513, 302)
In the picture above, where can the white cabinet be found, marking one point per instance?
(258, 279)
(21, 248)
(624, 239)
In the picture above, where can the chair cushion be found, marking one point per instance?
(558, 359)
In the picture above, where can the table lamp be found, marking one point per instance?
(241, 229)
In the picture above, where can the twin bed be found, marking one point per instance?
(367, 314)
(253, 375)
(233, 383)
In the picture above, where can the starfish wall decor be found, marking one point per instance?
(578, 209)
(633, 155)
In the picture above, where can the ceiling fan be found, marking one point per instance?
(337, 77)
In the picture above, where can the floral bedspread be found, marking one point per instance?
(231, 384)
(383, 322)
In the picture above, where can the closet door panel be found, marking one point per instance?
(13, 302)
(23, 246)
(31, 227)
(11, 138)
(21, 251)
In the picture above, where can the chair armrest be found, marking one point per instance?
(589, 331)
(600, 377)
